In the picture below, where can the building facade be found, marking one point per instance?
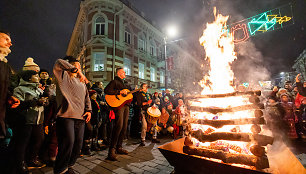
(111, 33)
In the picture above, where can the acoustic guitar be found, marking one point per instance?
(117, 101)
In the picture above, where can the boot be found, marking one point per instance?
(86, 148)
(23, 168)
(95, 145)
(120, 150)
(35, 163)
(112, 154)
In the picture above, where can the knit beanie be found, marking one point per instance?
(30, 65)
(91, 92)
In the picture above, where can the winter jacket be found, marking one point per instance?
(28, 93)
(5, 75)
(115, 86)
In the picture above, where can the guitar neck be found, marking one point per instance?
(131, 92)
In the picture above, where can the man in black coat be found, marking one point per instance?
(5, 82)
(118, 87)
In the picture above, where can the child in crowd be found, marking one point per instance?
(30, 123)
(92, 127)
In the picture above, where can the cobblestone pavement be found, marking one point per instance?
(140, 159)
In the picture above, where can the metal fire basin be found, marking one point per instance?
(189, 164)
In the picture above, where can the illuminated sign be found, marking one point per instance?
(268, 21)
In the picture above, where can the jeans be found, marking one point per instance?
(119, 130)
(70, 134)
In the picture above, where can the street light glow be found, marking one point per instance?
(172, 31)
(282, 73)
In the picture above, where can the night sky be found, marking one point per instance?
(42, 28)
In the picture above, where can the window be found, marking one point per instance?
(98, 61)
(100, 26)
(127, 66)
(152, 50)
(152, 74)
(162, 77)
(141, 44)
(141, 70)
(127, 37)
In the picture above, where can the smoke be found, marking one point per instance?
(251, 65)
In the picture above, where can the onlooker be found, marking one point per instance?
(30, 121)
(74, 107)
(290, 117)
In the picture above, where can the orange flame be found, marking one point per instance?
(220, 53)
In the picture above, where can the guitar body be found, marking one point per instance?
(117, 101)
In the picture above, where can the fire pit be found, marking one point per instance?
(230, 132)
(225, 129)
(184, 163)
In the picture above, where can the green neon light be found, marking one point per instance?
(261, 24)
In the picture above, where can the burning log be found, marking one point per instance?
(258, 150)
(255, 129)
(216, 110)
(258, 93)
(262, 140)
(258, 162)
(258, 113)
(220, 123)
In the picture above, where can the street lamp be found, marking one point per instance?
(171, 32)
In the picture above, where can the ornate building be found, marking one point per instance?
(110, 34)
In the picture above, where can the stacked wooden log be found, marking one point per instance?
(255, 156)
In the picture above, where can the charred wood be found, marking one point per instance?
(220, 123)
(258, 162)
(258, 150)
(255, 129)
(262, 140)
(258, 93)
(216, 110)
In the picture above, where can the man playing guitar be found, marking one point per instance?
(118, 87)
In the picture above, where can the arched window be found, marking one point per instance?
(100, 26)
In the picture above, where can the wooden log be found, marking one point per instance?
(261, 140)
(258, 113)
(215, 110)
(258, 150)
(255, 129)
(220, 123)
(236, 93)
(258, 162)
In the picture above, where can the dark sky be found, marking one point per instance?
(42, 28)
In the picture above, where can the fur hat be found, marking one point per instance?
(30, 65)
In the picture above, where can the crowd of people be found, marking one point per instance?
(52, 121)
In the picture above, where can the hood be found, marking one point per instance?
(28, 84)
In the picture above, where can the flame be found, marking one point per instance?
(219, 48)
